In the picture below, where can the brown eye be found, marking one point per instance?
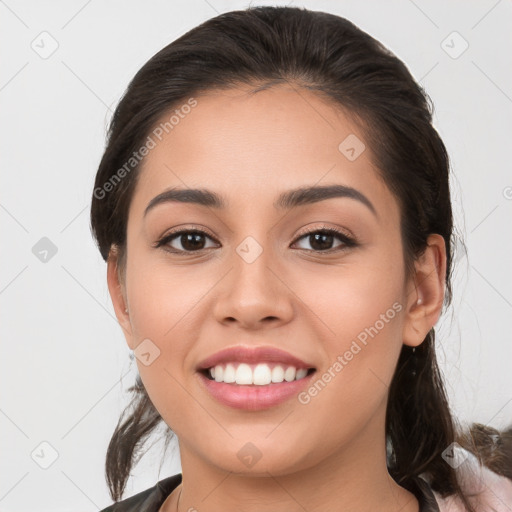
(185, 241)
(321, 240)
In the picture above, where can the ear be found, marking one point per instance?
(117, 290)
(425, 292)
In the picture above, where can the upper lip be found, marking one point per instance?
(244, 354)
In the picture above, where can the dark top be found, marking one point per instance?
(153, 498)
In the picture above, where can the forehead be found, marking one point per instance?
(249, 147)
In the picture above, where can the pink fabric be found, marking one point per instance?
(487, 491)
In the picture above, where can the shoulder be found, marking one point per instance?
(149, 500)
(486, 490)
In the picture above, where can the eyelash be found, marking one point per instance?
(345, 239)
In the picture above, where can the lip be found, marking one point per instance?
(253, 397)
(252, 355)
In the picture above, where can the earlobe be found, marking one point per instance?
(425, 294)
(118, 295)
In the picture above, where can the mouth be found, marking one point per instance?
(260, 374)
(254, 387)
(253, 377)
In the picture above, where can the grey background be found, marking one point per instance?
(65, 366)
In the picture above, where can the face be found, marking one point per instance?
(320, 278)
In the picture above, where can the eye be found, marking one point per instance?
(190, 240)
(194, 240)
(321, 240)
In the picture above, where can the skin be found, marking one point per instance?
(328, 454)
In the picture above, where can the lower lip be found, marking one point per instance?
(253, 397)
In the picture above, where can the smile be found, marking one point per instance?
(258, 388)
(259, 374)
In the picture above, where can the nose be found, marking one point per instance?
(254, 294)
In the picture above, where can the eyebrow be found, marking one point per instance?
(286, 200)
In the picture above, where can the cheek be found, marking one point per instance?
(167, 307)
(363, 309)
(350, 298)
(162, 299)
(361, 359)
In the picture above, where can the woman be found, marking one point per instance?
(273, 205)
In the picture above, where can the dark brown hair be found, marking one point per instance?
(330, 56)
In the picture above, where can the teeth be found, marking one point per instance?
(219, 374)
(260, 374)
(277, 374)
(301, 373)
(229, 374)
(289, 374)
(243, 374)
